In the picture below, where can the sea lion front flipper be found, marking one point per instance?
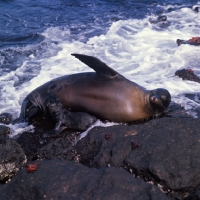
(54, 132)
(97, 65)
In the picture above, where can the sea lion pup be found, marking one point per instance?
(105, 94)
(79, 121)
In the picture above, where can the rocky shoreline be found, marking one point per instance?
(156, 159)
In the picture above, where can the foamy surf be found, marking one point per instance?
(97, 123)
(18, 129)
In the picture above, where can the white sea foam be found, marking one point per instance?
(97, 123)
(17, 129)
(143, 52)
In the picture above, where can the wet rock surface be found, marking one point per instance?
(169, 155)
(61, 148)
(161, 18)
(195, 41)
(58, 179)
(156, 159)
(164, 151)
(12, 158)
(196, 8)
(31, 143)
(5, 118)
(98, 150)
(160, 22)
(4, 131)
(187, 74)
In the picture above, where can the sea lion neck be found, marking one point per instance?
(147, 101)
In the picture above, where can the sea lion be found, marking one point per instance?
(79, 121)
(105, 94)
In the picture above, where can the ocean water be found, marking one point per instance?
(38, 37)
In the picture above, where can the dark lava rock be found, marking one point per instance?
(61, 148)
(31, 143)
(5, 118)
(195, 195)
(169, 155)
(162, 18)
(164, 151)
(12, 158)
(187, 74)
(193, 41)
(58, 179)
(179, 42)
(196, 9)
(109, 146)
(104, 147)
(4, 131)
(176, 111)
(160, 21)
(115, 19)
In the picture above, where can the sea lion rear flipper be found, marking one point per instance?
(97, 65)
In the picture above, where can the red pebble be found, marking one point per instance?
(194, 39)
(108, 136)
(190, 70)
(135, 145)
(31, 168)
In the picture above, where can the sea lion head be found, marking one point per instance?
(55, 106)
(28, 110)
(159, 99)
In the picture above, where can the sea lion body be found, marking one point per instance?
(103, 94)
(117, 99)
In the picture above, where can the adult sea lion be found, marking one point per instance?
(105, 94)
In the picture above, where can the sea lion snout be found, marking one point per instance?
(28, 110)
(160, 99)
